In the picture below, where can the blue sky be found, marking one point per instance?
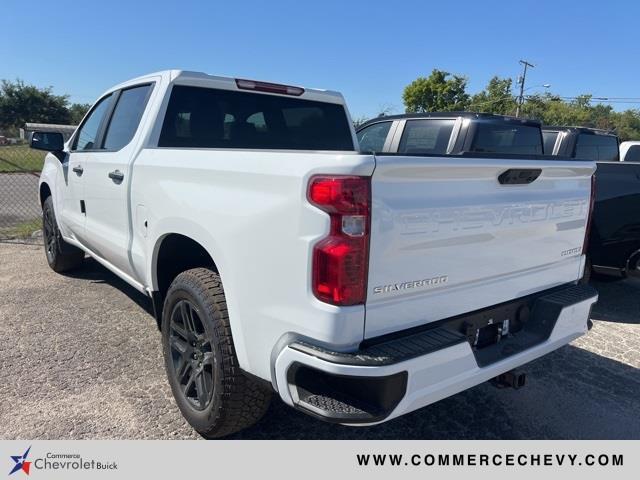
(367, 50)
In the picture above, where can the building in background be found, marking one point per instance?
(29, 128)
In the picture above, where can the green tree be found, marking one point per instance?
(439, 92)
(553, 110)
(627, 124)
(77, 111)
(496, 98)
(442, 91)
(20, 103)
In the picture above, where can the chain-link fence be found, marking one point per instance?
(20, 166)
(20, 212)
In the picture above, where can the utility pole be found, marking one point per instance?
(521, 80)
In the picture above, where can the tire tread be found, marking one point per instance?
(244, 401)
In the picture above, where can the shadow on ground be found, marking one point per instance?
(619, 301)
(95, 273)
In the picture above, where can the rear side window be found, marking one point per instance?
(549, 141)
(507, 138)
(126, 117)
(372, 138)
(209, 118)
(429, 136)
(633, 154)
(602, 148)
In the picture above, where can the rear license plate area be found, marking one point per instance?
(484, 336)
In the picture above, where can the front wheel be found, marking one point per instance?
(214, 396)
(61, 256)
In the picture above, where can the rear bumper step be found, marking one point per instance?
(390, 352)
(393, 376)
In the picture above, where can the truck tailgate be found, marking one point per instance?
(448, 238)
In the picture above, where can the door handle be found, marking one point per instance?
(116, 176)
(78, 169)
(519, 176)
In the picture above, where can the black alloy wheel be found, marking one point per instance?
(49, 234)
(192, 357)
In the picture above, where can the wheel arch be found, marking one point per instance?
(179, 232)
(44, 192)
(174, 253)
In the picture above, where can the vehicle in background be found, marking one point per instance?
(582, 143)
(614, 242)
(630, 151)
(279, 258)
(450, 133)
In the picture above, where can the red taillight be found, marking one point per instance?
(269, 87)
(592, 200)
(340, 259)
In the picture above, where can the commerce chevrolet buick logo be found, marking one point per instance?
(59, 461)
(21, 463)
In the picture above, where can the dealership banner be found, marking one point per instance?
(22, 459)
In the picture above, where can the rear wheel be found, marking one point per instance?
(61, 256)
(214, 396)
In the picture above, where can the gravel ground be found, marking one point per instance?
(81, 359)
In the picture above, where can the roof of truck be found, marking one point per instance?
(595, 131)
(471, 115)
(207, 80)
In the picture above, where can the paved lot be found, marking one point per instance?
(80, 358)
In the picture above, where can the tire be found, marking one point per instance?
(61, 256)
(214, 396)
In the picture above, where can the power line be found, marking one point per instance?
(551, 97)
(597, 99)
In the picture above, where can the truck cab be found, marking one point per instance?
(581, 142)
(630, 151)
(450, 133)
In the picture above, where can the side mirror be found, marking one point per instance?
(48, 141)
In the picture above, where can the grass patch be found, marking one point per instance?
(20, 158)
(22, 230)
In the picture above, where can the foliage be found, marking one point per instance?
(21, 103)
(439, 92)
(627, 124)
(496, 98)
(77, 111)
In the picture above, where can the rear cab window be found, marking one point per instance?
(549, 141)
(602, 148)
(373, 137)
(426, 136)
(506, 138)
(199, 117)
(126, 116)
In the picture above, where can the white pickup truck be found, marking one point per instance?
(279, 258)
